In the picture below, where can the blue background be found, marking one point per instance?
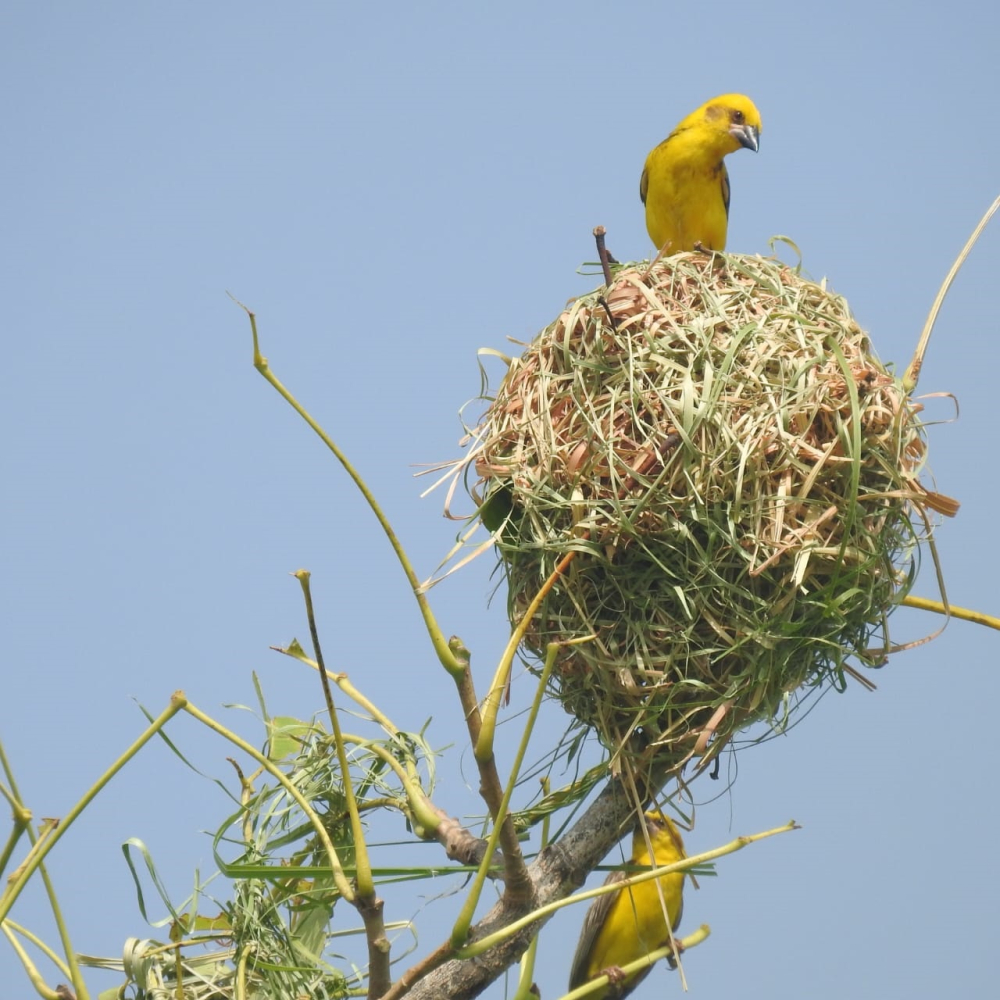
(392, 187)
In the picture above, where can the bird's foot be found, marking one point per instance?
(672, 959)
(616, 977)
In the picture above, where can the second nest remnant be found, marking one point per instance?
(736, 472)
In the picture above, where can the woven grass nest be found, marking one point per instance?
(736, 473)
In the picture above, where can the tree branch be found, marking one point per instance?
(558, 871)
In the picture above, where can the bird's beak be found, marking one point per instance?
(746, 135)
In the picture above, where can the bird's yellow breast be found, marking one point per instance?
(635, 924)
(685, 201)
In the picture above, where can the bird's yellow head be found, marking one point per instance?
(733, 119)
(663, 835)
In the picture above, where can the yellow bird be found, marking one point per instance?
(685, 184)
(622, 926)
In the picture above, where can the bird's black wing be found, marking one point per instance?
(644, 180)
(592, 924)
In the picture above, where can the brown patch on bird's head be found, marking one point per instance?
(718, 114)
(733, 109)
(659, 825)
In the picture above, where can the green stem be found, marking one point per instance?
(342, 682)
(952, 611)
(693, 939)
(491, 705)
(527, 973)
(18, 882)
(433, 630)
(343, 886)
(460, 932)
(363, 868)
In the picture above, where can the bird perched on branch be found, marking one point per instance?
(622, 926)
(685, 184)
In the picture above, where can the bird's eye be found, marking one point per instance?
(737, 116)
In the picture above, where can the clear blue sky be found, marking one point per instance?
(392, 187)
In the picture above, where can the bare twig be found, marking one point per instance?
(602, 252)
